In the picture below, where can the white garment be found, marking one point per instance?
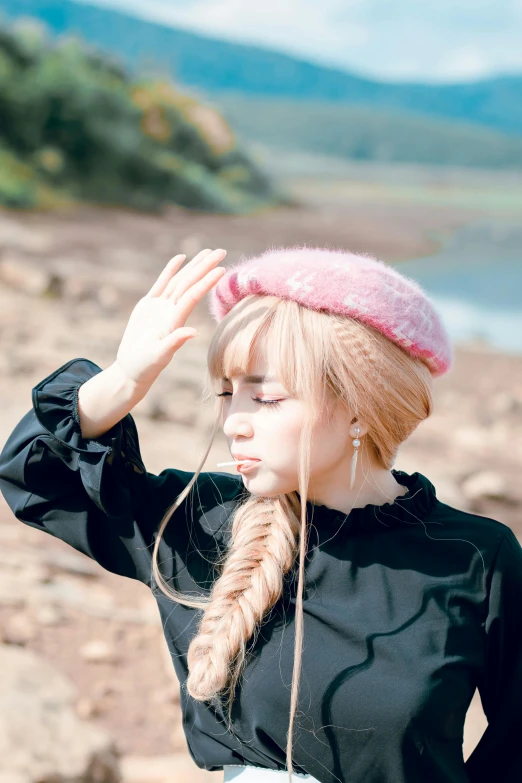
(250, 774)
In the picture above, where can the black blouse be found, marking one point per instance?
(408, 606)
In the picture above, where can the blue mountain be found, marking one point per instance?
(216, 67)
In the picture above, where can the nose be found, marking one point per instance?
(237, 424)
(241, 430)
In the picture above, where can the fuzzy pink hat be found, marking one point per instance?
(357, 285)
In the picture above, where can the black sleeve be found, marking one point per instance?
(498, 754)
(96, 494)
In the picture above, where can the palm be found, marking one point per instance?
(143, 345)
(155, 328)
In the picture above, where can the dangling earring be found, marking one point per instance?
(355, 443)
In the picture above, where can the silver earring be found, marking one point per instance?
(355, 443)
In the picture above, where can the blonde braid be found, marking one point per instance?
(263, 548)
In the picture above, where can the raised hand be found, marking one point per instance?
(156, 327)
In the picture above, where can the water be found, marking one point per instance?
(475, 282)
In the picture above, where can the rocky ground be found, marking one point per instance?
(90, 642)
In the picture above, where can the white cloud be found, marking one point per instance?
(304, 28)
(408, 40)
(465, 62)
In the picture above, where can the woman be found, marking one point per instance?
(328, 617)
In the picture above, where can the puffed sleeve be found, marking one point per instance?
(96, 494)
(498, 755)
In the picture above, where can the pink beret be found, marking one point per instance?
(347, 283)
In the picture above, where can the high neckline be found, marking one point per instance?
(418, 501)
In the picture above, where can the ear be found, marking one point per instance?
(361, 424)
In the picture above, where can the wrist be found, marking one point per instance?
(125, 387)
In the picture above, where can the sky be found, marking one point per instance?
(405, 40)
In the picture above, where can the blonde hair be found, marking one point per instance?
(326, 360)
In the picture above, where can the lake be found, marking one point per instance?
(475, 281)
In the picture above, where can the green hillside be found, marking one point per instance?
(361, 133)
(75, 126)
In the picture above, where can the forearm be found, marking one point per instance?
(105, 399)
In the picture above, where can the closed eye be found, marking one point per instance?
(275, 403)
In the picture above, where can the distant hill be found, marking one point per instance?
(362, 133)
(216, 66)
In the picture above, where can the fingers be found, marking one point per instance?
(166, 274)
(182, 281)
(199, 257)
(192, 296)
(172, 267)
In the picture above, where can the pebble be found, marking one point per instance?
(485, 484)
(98, 651)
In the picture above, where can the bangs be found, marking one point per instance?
(257, 334)
(277, 333)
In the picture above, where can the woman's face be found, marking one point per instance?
(262, 420)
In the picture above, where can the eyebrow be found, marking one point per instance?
(255, 378)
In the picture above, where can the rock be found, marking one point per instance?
(448, 492)
(485, 484)
(93, 599)
(168, 667)
(33, 572)
(13, 777)
(10, 593)
(471, 437)
(125, 257)
(48, 614)
(11, 533)
(190, 246)
(41, 737)
(19, 629)
(108, 297)
(27, 238)
(450, 399)
(87, 708)
(178, 740)
(79, 289)
(28, 277)
(104, 688)
(159, 696)
(142, 408)
(70, 562)
(180, 410)
(18, 576)
(98, 651)
(504, 403)
(179, 407)
(13, 559)
(145, 616)
(178, 767)
(475, 725)
(16, 365)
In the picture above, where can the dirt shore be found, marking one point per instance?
(80, 273)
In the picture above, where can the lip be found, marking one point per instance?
(243, 467)
(244, 456)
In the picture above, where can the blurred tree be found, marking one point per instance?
(74, 121)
